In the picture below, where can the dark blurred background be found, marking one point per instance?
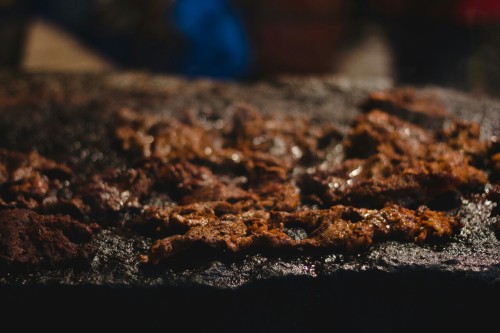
(453, 43)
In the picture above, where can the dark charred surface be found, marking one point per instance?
(46, 102)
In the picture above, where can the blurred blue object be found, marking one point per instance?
(188, 37)
(217, 45)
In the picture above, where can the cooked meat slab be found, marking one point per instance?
(197, 166)
(338, 227)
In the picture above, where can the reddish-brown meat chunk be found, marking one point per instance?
(113, 191)
(338, 227)
(464, 136)
(392, 161)
(29, 240)
(30, 180)
(422, 108)
(189, 183)
(379, 132)
(377, 181)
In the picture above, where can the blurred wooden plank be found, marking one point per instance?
(49, 48)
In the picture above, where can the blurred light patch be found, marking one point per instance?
(217, 45)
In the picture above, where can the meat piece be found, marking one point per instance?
(267, 188)
(391, 161)
(163, 138)
(248, 127)
(31, 241)
(231, 232)
(166, 139)
(277, 196)
(249, 137)
(189, 183)
(422, 108)
(379, 180)
(379, 132)
(464, 136)
(293, 138)
(15, 166)
(338, 227)
(263, 167)
(30, 180)
(269, 197)
(113, 191)
(135, 141)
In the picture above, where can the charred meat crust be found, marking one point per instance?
(338, 227)
(238, 181)
(392, 161)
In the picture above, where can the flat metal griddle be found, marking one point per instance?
(385, 288)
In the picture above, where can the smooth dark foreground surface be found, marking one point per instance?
(392, 286)
(355, 301)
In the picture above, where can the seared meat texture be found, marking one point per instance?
(290, 138)
(163, 138)
(379, 132)
(464, 136)
(418, 107)
(113, 191)
(30, 180)
(248, 135)
(338, 227)
(238, 180)
(30, 240)
(392, 161)
(249, 161)
(188, 183)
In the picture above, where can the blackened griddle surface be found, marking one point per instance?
(62, 116)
